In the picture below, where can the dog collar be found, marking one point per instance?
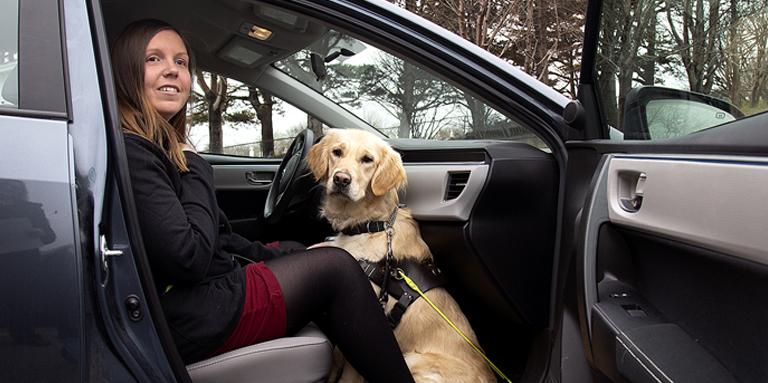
(371, 226)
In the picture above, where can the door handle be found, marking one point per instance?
(258, 178)
(631, 186)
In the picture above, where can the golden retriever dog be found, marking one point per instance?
(362, 175)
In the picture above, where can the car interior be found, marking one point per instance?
(487, 208)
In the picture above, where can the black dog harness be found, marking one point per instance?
(425, 274)
(385, 272)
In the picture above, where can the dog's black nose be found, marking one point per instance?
(342, 179)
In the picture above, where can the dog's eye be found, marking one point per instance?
(366, 159)
(337, 152)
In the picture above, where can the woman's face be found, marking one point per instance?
(166, 73)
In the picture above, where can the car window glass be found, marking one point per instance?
(9, 53)
(397, 97)
(226, 116)
(714, 51)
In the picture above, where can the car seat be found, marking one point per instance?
(302, 358)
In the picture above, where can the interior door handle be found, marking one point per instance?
(631, 185)
(259, 178)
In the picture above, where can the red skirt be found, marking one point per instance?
(263, 316)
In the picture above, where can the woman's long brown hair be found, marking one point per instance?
(137, 115)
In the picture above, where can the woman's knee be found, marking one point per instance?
(337, 261)
(334, 255)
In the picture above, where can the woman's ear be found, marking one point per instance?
(390, 173)
(317, 158)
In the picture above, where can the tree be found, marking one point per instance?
(543, 37)
(732, 50)
(225, 100)
(627, 52)
(758, 28)
(742, 77)
(696, 27)
(264, 104)
(421, 102)
(215, 97)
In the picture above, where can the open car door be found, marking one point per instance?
(667, 245)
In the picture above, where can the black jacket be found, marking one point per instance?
(189, 244)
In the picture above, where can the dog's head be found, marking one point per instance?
(354, 164)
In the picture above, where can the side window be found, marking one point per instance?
(670, 69)
(31, 59)
(396, 96)
(9, 53)
(228, 117)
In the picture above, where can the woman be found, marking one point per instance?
(211, 303)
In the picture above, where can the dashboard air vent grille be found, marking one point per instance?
(457, 181)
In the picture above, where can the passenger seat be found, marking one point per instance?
(302, 358)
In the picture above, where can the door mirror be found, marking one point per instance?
(652, 112)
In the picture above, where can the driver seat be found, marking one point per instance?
(302, 358)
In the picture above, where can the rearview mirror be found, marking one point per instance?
(652, 112)
(318, 66)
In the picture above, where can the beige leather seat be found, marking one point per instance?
(302, 358)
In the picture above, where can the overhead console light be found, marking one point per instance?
(279, 18)
(256, 32)
(241, 52)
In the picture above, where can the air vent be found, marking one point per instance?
(457, 181)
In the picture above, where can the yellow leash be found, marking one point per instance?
(416, 288)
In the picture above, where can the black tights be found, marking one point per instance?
(328, 287)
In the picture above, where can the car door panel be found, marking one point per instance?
(700, 200)
(494, 240)
(241, 191)
(241, 186)
(670, 291)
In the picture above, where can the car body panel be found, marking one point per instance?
(699, 200)
(40, 315)
(429, 184)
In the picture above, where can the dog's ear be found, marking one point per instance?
(317, 158)
(390, 174)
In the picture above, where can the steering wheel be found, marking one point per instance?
(283, 187)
